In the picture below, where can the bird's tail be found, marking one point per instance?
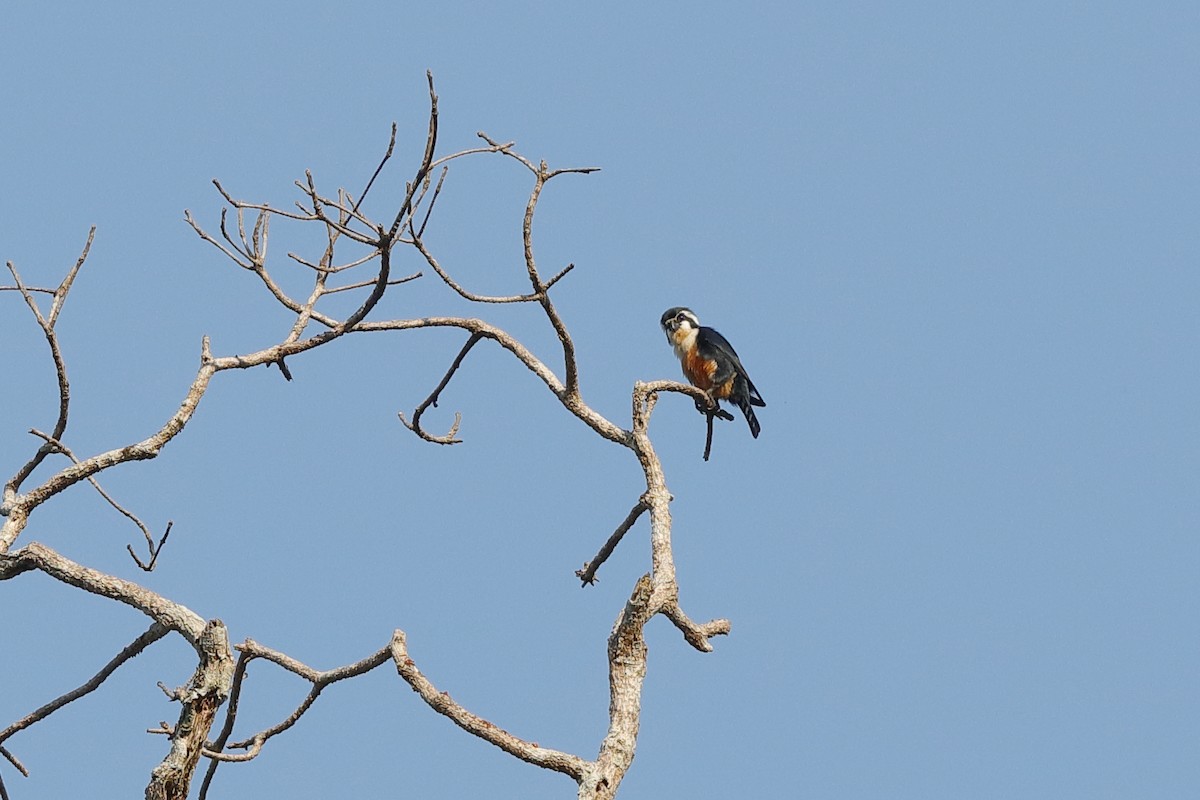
(755, 397)
(746, 403)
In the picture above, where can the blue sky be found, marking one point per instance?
(955, 246)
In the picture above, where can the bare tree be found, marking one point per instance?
(217, 684)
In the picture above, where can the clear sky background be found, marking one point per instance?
(955, 244)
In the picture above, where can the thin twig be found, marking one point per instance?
(334, 270)
(507, 150)
(341, 225)
(588, 573)
(561, 274)
(154, 550)
(187, 216)
(432, 202)
(361, 284)
(30, 289)
(260, 206)
(426, 162)
(415, 425)
(493, 147)
(386, 156)
(60, 365)
(474, 298)
(571, 377)
(60, 294)
(16, 762)
(155, 632)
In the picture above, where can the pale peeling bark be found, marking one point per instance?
(201, 698)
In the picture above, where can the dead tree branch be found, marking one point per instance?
(231, 711)
(441, 702)
(415, 425)
(150, 545)
(318, 678)
(656, 593)
(155, 632)
(627, 657)
(588, 574)
(244, 238)
(172, 615)
(573, 403)
(250, 650)
(201, 697)
(60, 368)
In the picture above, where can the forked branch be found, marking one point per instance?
(218, 753)
(153, 549)
(47, 323)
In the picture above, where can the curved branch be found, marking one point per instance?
(644, 397)
(415, 425)
(440, 702)
(539, 288)
(60, 366)
(572, 403)
(172, 615)
(466, 295)
(542, 174)
(145, 449)
(382, 162)
(426, 163)
(154, 550)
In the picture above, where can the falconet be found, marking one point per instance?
(711, 364)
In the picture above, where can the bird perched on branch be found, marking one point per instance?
(711, 365)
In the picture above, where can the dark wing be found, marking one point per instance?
(711, 343)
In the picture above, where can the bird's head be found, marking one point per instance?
(678, 320)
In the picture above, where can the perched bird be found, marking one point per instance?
(710, 363)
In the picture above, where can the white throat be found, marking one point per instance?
(684, 340)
